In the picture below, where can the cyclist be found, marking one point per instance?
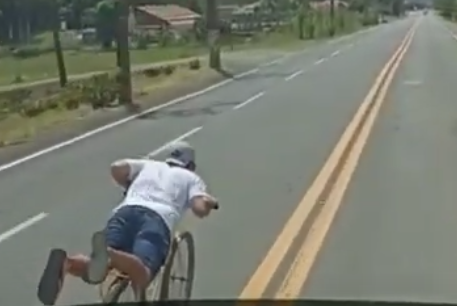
(137, 237)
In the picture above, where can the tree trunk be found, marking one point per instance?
(58, 49)
(332, 18)
(212, 25)
(118, 36)
(124, 77)
(300, 26)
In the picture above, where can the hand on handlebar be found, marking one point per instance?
(212, 202)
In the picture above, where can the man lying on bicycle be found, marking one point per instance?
(137, 237)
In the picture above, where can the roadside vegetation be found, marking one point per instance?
(446, 8)
(34, 46)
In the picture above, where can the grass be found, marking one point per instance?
(273, 41)
(145, 86)
(15, 129)
(78, 62)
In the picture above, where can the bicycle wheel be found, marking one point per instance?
(119, 286)
(115, 290)
(181, 241)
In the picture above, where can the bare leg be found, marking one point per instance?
(102, 257)
(129, 264)
(76, 265)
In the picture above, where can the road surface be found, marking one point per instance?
(263, 140)
(395, 235)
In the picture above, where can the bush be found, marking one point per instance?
(142, 43)
(99, 92)
(33, 109)
(152, 72)
(13, 100)
(28, 52)
(51, 102)
(18, 79)
(194, 64)
(168, 69)
(71, 98)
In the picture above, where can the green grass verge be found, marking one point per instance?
(79, 62)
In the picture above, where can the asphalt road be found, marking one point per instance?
(393, 237)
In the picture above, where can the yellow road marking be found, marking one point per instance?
(256, 286)
(301, 267)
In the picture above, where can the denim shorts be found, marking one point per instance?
(142, 232)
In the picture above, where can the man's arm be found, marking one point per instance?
(124, 171)
(201, 202)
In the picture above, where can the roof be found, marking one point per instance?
(326, 4)
(248, 8)
(170, 12)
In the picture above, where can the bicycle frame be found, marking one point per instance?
(116, 274)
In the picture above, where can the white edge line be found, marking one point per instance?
(130, 118)
(335, 53)
(251, 99)
(315, 63)
(293, 75)
(179, 138)
(122, 121)
(35, 219)
(450, 32)
(22, 226)
(342, 38)
(274, 62)
(236, 77)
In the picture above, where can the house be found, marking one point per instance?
(226, 11)
(170, 16)
(325, 5)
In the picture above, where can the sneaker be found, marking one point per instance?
(51, 280)
(98, 265)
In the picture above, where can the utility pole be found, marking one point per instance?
(63, 80)
(213, 30)
(118, 33)
(332, 18)
(123, 54)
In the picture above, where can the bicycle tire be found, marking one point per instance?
(115, 290)
(188, 239)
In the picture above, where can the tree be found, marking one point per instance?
(447, 8)
(58, 46)
(106, 20)
(213, 26)
(302, 8)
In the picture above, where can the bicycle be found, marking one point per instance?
(161, 282)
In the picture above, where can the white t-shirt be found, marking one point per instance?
(164, 189)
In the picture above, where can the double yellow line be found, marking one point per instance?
(321, 202)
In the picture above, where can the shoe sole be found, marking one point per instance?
(51, 279)
(99, 260)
